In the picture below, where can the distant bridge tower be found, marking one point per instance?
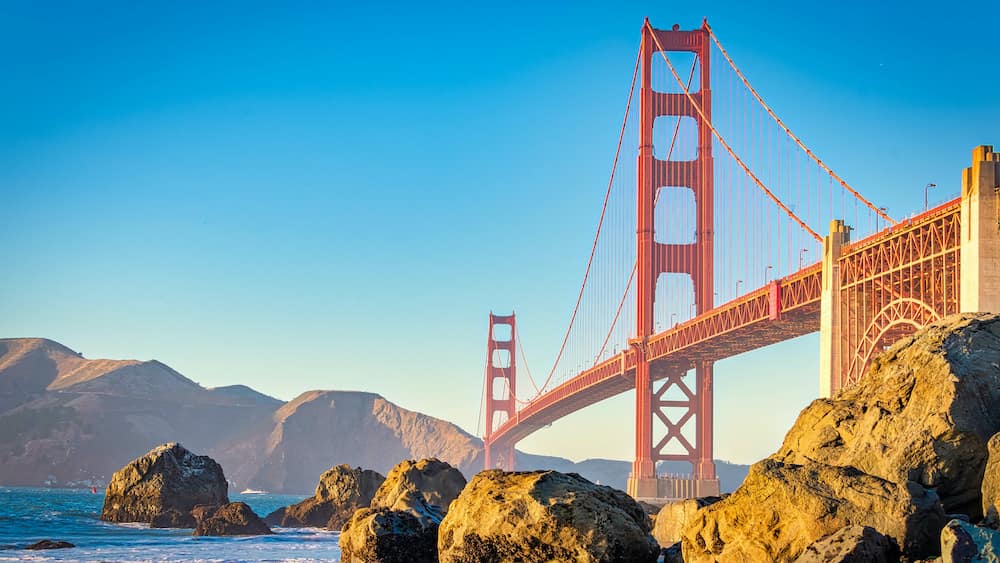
(501, 387)
(655, 258)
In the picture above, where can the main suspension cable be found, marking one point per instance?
(795, 138)
(708, 123)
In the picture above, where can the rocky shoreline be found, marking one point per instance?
(904, 466)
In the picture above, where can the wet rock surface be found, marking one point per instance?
(544, 516)
(50, 544)
(173, 518)
(232, 519)
(167, 478)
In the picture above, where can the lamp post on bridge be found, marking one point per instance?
(801, 252)
(927, 187)
(738, 282)
(767, 272)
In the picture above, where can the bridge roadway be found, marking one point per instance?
(781, 310)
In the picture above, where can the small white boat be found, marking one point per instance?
(252, 492)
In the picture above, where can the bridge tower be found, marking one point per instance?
(501, 387)
(656, 258)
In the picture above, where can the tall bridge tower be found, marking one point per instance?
(655, 258)
(501, 387)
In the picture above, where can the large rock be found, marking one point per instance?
(853, 544)
(923, 413)
(232, 519)
(991, 483)
(781, 509)
(340, 492)
(543, 516)
(405, 534)
(962, 542)
(173, 518)
(167, 478)
(673, 516)
(438, 482)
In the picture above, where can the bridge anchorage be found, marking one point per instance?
(714, 265)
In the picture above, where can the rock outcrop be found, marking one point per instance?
(173, 518)
(853, 544)
(50, 544)
(991, 483)
(406, 511)
(781, 509)
(962, 542)
(405, 534)
(340, 492)
(436, 481)
(543, 516)
(673, 516)
(232, 519)
(168, 478)
(924, 412)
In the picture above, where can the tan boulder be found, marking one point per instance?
(991, 483)
(923, 413)
(437, 481)
(340, 492)
(406, 534)
(673, 516)
(781, 509)
(853, 544)
(544, 516)
(167, 479)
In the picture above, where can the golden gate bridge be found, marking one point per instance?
(722, 232)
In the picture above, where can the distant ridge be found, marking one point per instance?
(71, 421)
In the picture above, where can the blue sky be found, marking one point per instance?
(304, 195)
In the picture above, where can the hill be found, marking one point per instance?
(69, 420)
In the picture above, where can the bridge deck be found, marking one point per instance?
(779, 311)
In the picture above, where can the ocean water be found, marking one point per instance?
(28, 515)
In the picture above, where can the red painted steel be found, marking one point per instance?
(907, 280)
(745, 324)
(500, 401)
(892, 282)
(654, 258)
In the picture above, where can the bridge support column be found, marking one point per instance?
(501, 389)
(980, 247)
(704, 470)
(642, 481)
(831, 334)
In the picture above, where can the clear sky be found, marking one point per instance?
(303, 195)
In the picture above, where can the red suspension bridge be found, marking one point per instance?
(725, 205)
